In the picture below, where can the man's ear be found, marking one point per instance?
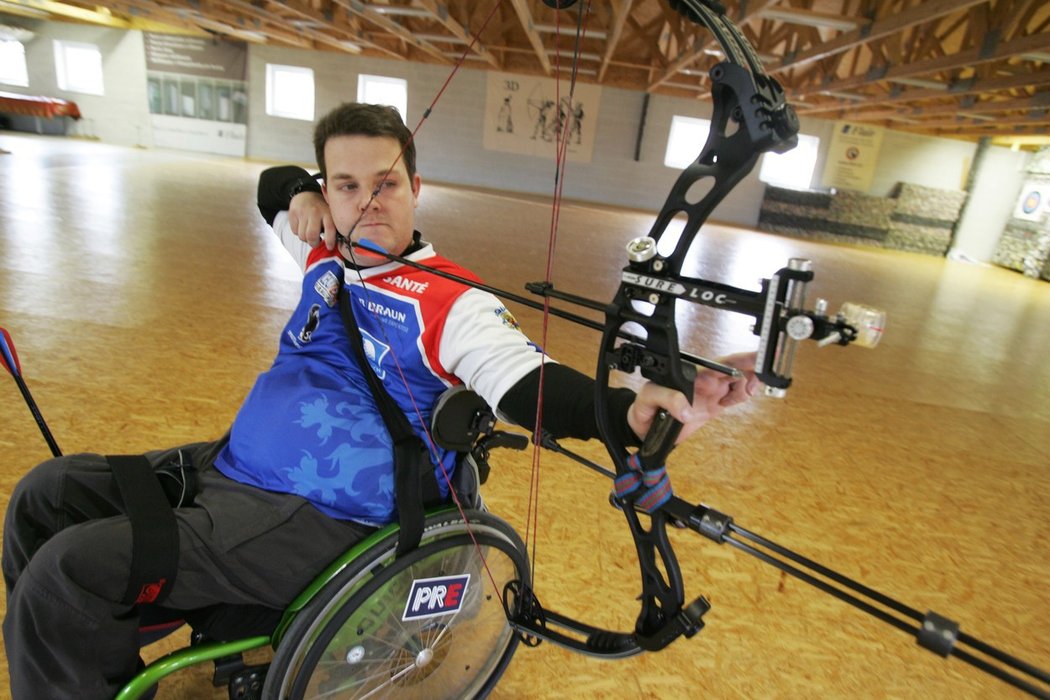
(324, 189)
(417, 184)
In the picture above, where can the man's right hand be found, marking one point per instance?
(311, 219)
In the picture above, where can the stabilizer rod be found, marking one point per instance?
(931, 630)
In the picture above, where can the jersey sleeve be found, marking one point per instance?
(298, 249)
(483, 346)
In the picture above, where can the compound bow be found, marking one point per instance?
(750, 117)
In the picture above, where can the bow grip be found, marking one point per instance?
(659, 441)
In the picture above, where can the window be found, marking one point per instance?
(792, 170)
(13, 63)
(380, 90)
(78, 67)
(289, 92)
(686, 140)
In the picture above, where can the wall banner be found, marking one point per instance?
(527, 114)
(852, 156)
(198, 93)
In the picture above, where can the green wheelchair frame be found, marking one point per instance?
(368, 579)
(346, 634)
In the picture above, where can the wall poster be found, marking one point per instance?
(527, 115)
(1034, 202)
(852, 156)
(198, 93)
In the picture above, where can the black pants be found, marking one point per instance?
(66, 562)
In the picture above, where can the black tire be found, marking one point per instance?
(352, 639)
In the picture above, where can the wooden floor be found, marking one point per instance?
(144, 293)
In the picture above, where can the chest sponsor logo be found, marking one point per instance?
(406, 284)
(431, 597)
(383, 311)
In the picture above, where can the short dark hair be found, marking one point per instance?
(356, 118)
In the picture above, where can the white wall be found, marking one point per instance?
(928, 161)
(121, 116)
(449, 142)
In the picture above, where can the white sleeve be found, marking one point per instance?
(299, 249)
(483, 346)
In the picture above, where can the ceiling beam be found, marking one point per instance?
(457, 30)
(895, 23)
(265, 22)
(811, 18)
(620, 11)
(351, 35)
(963, 59)
(1040, 100)
(153, 13)
(991, 130)
(386, 24)
(976, 86)
(963, 122)
(529, 27)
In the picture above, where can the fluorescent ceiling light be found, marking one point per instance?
(566, 28)
(810, 19)
(458, 54)
(685, 86)
(843, 95)
(583, 56)
(442, 38)
(397, 10)
(919, 82)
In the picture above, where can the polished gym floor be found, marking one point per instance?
(144, 292)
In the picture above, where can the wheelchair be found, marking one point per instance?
(429, 623)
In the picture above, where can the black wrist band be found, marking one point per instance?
(304, 184)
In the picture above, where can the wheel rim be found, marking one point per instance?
(364, 649)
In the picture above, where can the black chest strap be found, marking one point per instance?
(415, 485)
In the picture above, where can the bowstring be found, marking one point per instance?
(430, 442)
(532, 521)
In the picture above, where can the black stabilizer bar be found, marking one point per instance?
(931, 630)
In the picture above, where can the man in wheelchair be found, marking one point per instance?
(316, 459)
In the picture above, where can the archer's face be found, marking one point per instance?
(356, 166)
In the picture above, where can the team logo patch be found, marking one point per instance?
(313, 319)
(328, 287)
(508, 318)
(375, 351)
(431, 597)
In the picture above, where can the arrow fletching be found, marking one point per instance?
(8, 356)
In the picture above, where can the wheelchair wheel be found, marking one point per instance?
(428, 624)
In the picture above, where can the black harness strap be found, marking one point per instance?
(415, 485)
(154, 533)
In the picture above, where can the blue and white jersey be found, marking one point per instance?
(310, 425)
